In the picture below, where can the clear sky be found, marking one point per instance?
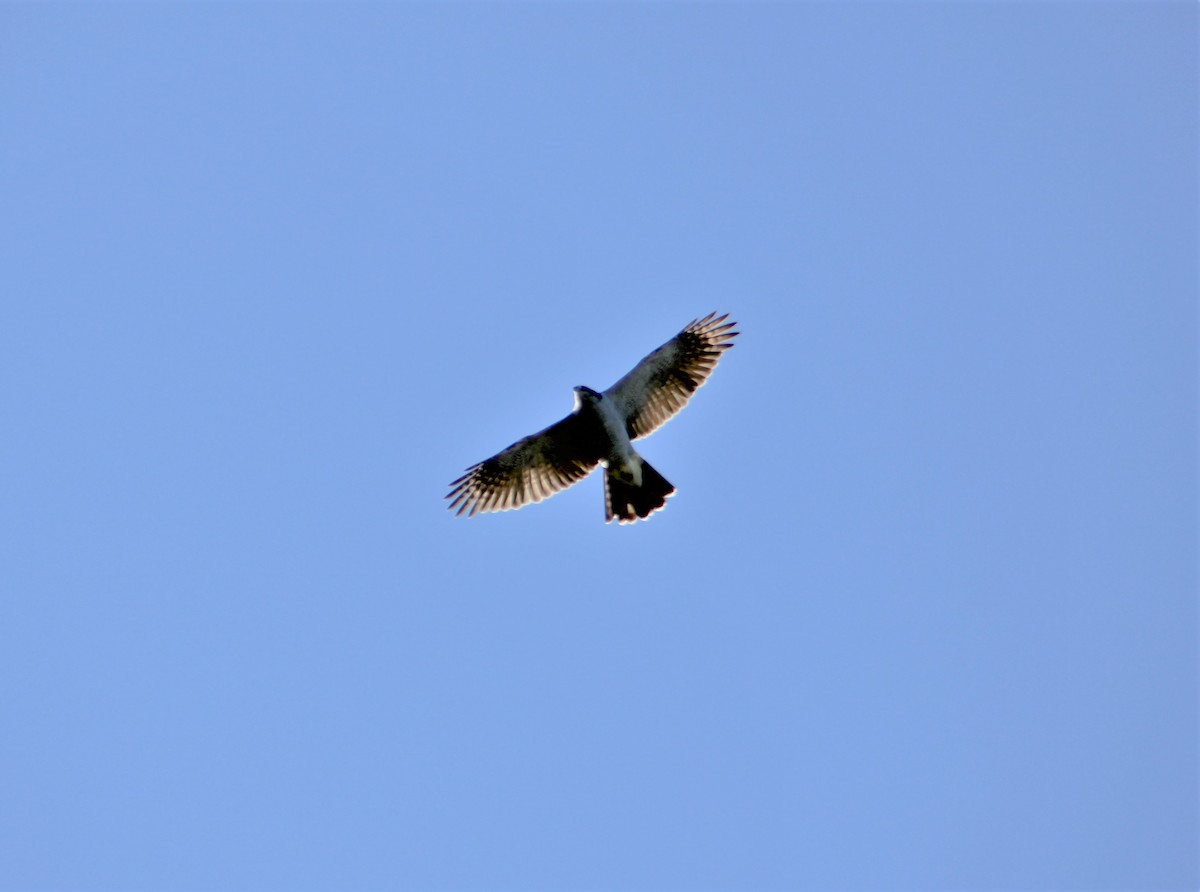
(922, 614)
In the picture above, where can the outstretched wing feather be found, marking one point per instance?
(528, 471)
(662, 383)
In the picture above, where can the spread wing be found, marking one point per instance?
(529, 470)
(662, 383)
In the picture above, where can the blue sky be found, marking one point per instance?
(922, 613)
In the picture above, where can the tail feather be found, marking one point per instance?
(627, 502)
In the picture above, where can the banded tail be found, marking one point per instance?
(627, 502)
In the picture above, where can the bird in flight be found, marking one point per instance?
(600, 431)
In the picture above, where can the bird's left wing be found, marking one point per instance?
(529, 470)
(662, 383)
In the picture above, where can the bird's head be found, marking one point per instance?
(585, 395)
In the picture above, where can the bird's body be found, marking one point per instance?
(600, 431)
(632, 488)
(619, 455)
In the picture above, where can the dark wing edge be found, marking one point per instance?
(662, 383)
(528, 471)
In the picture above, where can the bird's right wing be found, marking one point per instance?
(662, 383)
(529, 470)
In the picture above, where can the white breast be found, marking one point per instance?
(622, 454)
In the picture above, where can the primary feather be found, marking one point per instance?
(662, 383)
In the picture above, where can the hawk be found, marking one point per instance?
(600, 431)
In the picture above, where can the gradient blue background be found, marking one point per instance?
(923, 611)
